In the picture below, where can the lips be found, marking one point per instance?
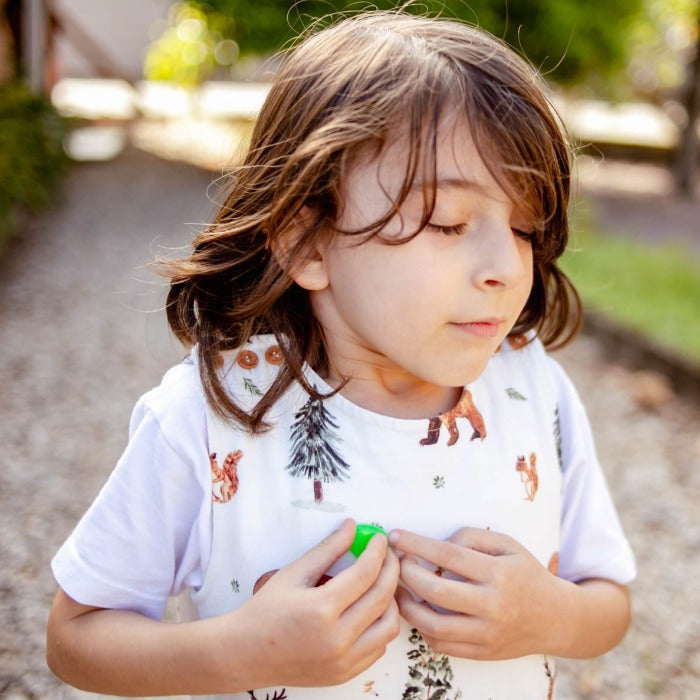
(484, 328)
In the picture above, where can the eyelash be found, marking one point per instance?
(455, 230)
(459, 229)
(525, 235)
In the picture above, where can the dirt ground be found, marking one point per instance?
(82, 337)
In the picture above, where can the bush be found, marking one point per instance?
(32, 158)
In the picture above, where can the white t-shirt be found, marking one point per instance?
(516, 456)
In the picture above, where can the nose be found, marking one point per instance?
(502, 258)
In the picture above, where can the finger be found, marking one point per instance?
(453, 557)
(447, 627)
(354, 581)
(372, 643)
(376, 599)
(485, 541)
(309, 568)
(462, 650)
(459, 596)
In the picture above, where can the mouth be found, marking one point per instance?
(483, 328)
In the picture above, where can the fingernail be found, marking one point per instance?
(393, 538)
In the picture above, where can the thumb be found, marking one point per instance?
(309, 568)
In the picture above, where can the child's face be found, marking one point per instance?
(429, 313)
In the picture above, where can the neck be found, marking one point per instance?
(400, 396)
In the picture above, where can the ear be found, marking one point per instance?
(306, 265)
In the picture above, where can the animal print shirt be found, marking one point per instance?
(199, 506)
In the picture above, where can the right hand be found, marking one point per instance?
(303, 635)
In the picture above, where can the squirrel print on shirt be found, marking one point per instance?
(226, 476)
(464, 409)
(528, 475)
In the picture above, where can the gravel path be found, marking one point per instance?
(81, 341)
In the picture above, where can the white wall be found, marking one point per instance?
(119, 27)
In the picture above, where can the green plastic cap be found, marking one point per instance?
(363, 534)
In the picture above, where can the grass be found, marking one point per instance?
(654, 290)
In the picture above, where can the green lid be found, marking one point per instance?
(363, 535)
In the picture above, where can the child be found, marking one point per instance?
(367, 316)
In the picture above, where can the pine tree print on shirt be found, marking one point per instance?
(277, 695)
(430, 673)
(313, 452)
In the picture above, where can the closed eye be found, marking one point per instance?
(455, 230)
(525, 235)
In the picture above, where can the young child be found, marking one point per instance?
(367, 316)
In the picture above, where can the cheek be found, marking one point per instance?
(528, 260)
(525, 288)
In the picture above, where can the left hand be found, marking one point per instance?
(504, 607)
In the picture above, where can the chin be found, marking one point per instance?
(471, 372)
(461, 378)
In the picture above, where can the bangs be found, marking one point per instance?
(524, 153)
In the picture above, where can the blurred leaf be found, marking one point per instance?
(571, 39)
(31, 153)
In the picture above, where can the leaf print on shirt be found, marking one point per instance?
(557, 437)
(227, 476)
(250, 386)
(515, 394)
(528, 475)
(464, 409)
(313, 452)
(430, 673)
(439, 482)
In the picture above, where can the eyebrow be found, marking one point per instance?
(451, 183)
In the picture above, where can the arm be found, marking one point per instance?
(506, 604)
(289, 633)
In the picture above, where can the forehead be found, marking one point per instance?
(448, 160)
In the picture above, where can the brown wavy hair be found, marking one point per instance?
(352, 86)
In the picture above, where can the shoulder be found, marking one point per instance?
(177, 404)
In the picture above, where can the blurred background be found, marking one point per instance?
(117, 121)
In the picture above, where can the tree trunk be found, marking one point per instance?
(318, 491)
(10, 40)
(687, 155)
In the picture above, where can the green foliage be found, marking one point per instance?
(569, 39)
(618, 50)
(662, 44)
(655, 290)
(196, 41)
(31, 153)
(573, 40)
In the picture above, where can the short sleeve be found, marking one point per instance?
(593, 544)
(144, 536)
